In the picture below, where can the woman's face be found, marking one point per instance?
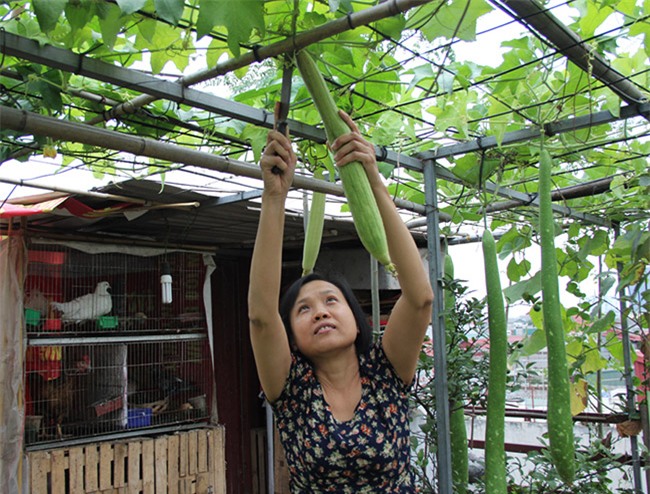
(322, 320)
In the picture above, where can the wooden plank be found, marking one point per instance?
(203, 483)
(120, 451)
(91, 463)
(160, 464)
(148, 465)
(211, 436)
(202, 465)
(182, 455)
(280, 466)
(219, 458)
(133, 473)
(58, 468)
(39, 464)
(173, 451)
(255, 473)
(192, 452)
(105, 466)
(76, 471)
(185, 486)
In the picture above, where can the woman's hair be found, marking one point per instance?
(364, 338)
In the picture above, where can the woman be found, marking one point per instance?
(340, 401)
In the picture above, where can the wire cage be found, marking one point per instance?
(74, 292)
(104, 354)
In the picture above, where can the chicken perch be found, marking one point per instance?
(89, 306)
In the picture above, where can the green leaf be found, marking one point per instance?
(391, 26)
(335, 4)
(78, 14)
(514, 240)
(339, 55)
(239, 18)
(456, 20)
(526, 288)
(516, 270)
(387, 128)
(170, 10)
(498, 122)
(533, 343)
(594, 245)
(593, 362)
(147, 30)
(48, 12)
(164, 39)
(607, 281)
(111, 22)
(603, 324)
(256, 136)
(615, 348)
(592, 17)
(421, 73)
(130, 6)
(470, 169)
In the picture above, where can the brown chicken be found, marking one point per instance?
(58, 400)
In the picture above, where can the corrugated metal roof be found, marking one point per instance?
(225, 223)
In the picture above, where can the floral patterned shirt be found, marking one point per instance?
(368, 454)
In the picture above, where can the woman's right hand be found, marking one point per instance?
(278, 164)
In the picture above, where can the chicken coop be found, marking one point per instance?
(112, 350)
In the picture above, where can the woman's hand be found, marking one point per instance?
(278, 164)
(353, 147)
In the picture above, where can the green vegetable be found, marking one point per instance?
(361, 200)
(314, 232)
(495, 456)
(560, 422)
(457, 428)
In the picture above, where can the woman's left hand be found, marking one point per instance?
(353, 147)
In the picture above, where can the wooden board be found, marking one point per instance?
(191, 462)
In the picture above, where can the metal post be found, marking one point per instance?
(270, 448)
(628, 372)
(374, 292)
(438, 332)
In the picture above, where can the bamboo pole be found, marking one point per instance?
(292, 43)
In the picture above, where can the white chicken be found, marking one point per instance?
(89, 306)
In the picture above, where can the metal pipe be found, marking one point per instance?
(628, 372)
(538, 18)
(24, 121)
(270, 449)
(96, 340)
(374, 294)
(438, 333)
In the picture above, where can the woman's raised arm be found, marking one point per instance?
(411, 314)
(268, 336)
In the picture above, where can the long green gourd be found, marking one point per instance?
(495, 456)
(356, 186)
(457, 428)
(560, 421)
(314, 231)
